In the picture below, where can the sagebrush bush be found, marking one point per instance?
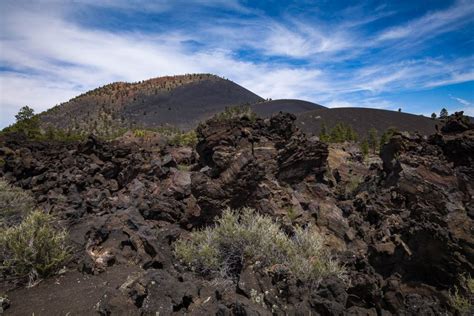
(248, 237)
(236, 112)
(34, 248)
(461, 300)
(14, 204)
(184, 139)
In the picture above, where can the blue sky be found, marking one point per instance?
(414, 55)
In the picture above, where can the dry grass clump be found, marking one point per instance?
(30, 244)
(14, 204)
(248, 237)
(34, 248)
(462, 302)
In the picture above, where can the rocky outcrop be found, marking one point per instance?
(241, 160)
(404, 229)
(420, 214)
(424, 196)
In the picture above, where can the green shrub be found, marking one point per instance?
(364, 148)
(14, 204)
(184, 139)
(26, 122)
(470, 284)
(291, 213)
(34, 248)
(64, 135)
(462, 303)
(236, 112)
(139, 133)
(340, 133)
(167, 130)
(387, 135)
(239, 239)
(323, 134)
(373, 140)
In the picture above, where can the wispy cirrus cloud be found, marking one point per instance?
(432, 23)
(462, 101)
(337, 62)
(415, 74)
(466, 105)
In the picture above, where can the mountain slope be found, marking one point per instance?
(294, 106)
(181, 101)
(363, 119)
(184, 101)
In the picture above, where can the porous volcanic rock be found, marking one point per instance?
(404, 233)
(244, 162)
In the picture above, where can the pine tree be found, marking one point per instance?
(323, 134)
(443, 113)
(373, 139)
(27, 123)
(387, 135)
(25, 113)
(364, 148)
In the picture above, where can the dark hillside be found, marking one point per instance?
(187, 105)
(268, 108)
(363, 119)
(181, 101)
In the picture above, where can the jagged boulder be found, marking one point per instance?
(425, 227)
(456, 123)
(241, 159)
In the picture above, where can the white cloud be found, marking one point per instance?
(462, 101)
(374, 103)
(36, 92)
(414, 74)
(63, 60)
(51, 59)
(302, 40)
(432, 24)
(466, 106)
(453, 77)
(340, 104)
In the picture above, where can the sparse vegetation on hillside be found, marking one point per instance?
(62, 135)
(107, 110)
(373, 144)
(247, 237)
(26, 122)
(373, 140)
(173, 136)
(234, 112)
(338, 134)
(364, 148)
(184, 139)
